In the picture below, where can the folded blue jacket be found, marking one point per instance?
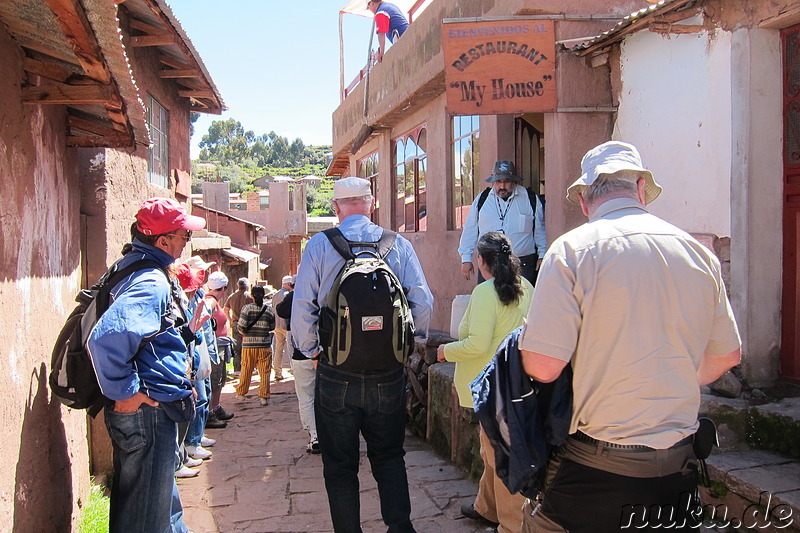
(523, 418)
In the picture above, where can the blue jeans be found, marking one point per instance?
(373, 404)
(144, 496)
(198, 424)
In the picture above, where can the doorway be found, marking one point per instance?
(529, 153)
(790, 347)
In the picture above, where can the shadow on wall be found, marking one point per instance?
(43, 488)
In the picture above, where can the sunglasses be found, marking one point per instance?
(187, 237)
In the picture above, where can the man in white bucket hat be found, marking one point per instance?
(639, 308)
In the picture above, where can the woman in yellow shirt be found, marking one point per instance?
(497, 307)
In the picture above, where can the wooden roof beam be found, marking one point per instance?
(172, 62)
(94, 141)
(50, 71)
(197, 94)
(68, 94)
(93, 126)
(76, 28)
(146, 28)
(180, 73)
(162, 39)
(32, 47)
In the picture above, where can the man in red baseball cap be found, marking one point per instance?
(139, 351)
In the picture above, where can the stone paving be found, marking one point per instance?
(261, 480)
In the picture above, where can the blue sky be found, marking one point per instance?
(277, 68)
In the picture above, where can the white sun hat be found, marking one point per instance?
(608, 158)
(198, 263)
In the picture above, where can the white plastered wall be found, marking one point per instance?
(675, 107)
(705, 112)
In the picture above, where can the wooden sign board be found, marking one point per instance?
(499, 67)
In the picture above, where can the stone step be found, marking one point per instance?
(759, 489)
(773, 427)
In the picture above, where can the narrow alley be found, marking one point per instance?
(261, 480)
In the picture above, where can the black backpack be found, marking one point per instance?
(365, 322)
(72, 376)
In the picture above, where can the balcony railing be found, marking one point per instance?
(419, 5)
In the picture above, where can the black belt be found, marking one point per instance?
(530, 257)
(583, 437)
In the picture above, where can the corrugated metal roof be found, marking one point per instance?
(258, 227)
(608, 37)
(240, 254)
(195, 55)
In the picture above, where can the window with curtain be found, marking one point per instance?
(410, 169)
(158, 160)
(466, 167)
(368, 169)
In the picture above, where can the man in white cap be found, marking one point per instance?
(279, 333)
(370, 402)
(639, 308)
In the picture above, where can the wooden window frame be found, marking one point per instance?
(459, 201)
(414, 206)
(158, 152)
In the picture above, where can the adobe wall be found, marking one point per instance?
(413, 68)
(236, 230)
(567, 137)
(44, 467)
(114, 183)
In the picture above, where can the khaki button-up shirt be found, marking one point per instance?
(634, 303)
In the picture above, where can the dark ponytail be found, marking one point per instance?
(257, 292)
(495, 249)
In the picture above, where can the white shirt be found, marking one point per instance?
(514, 217)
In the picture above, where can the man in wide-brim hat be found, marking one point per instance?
(508, 207)
(638, 308)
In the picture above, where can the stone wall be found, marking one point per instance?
(433, 409)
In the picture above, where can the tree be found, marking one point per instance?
(318, 201)
(227, 141)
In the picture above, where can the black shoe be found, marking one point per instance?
(222, 414)
(215, 423)
(469, 511)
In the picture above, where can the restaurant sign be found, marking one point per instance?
(499, 67)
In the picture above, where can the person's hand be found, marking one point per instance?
(466, 270)
(440, 353)
(316, 357)
(539, 263)
(132, 404)
(198, 319)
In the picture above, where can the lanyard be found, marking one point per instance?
(503, 212)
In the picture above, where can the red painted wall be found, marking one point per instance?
(44, 465)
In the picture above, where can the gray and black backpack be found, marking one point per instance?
(73, 380)
(365, 322)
